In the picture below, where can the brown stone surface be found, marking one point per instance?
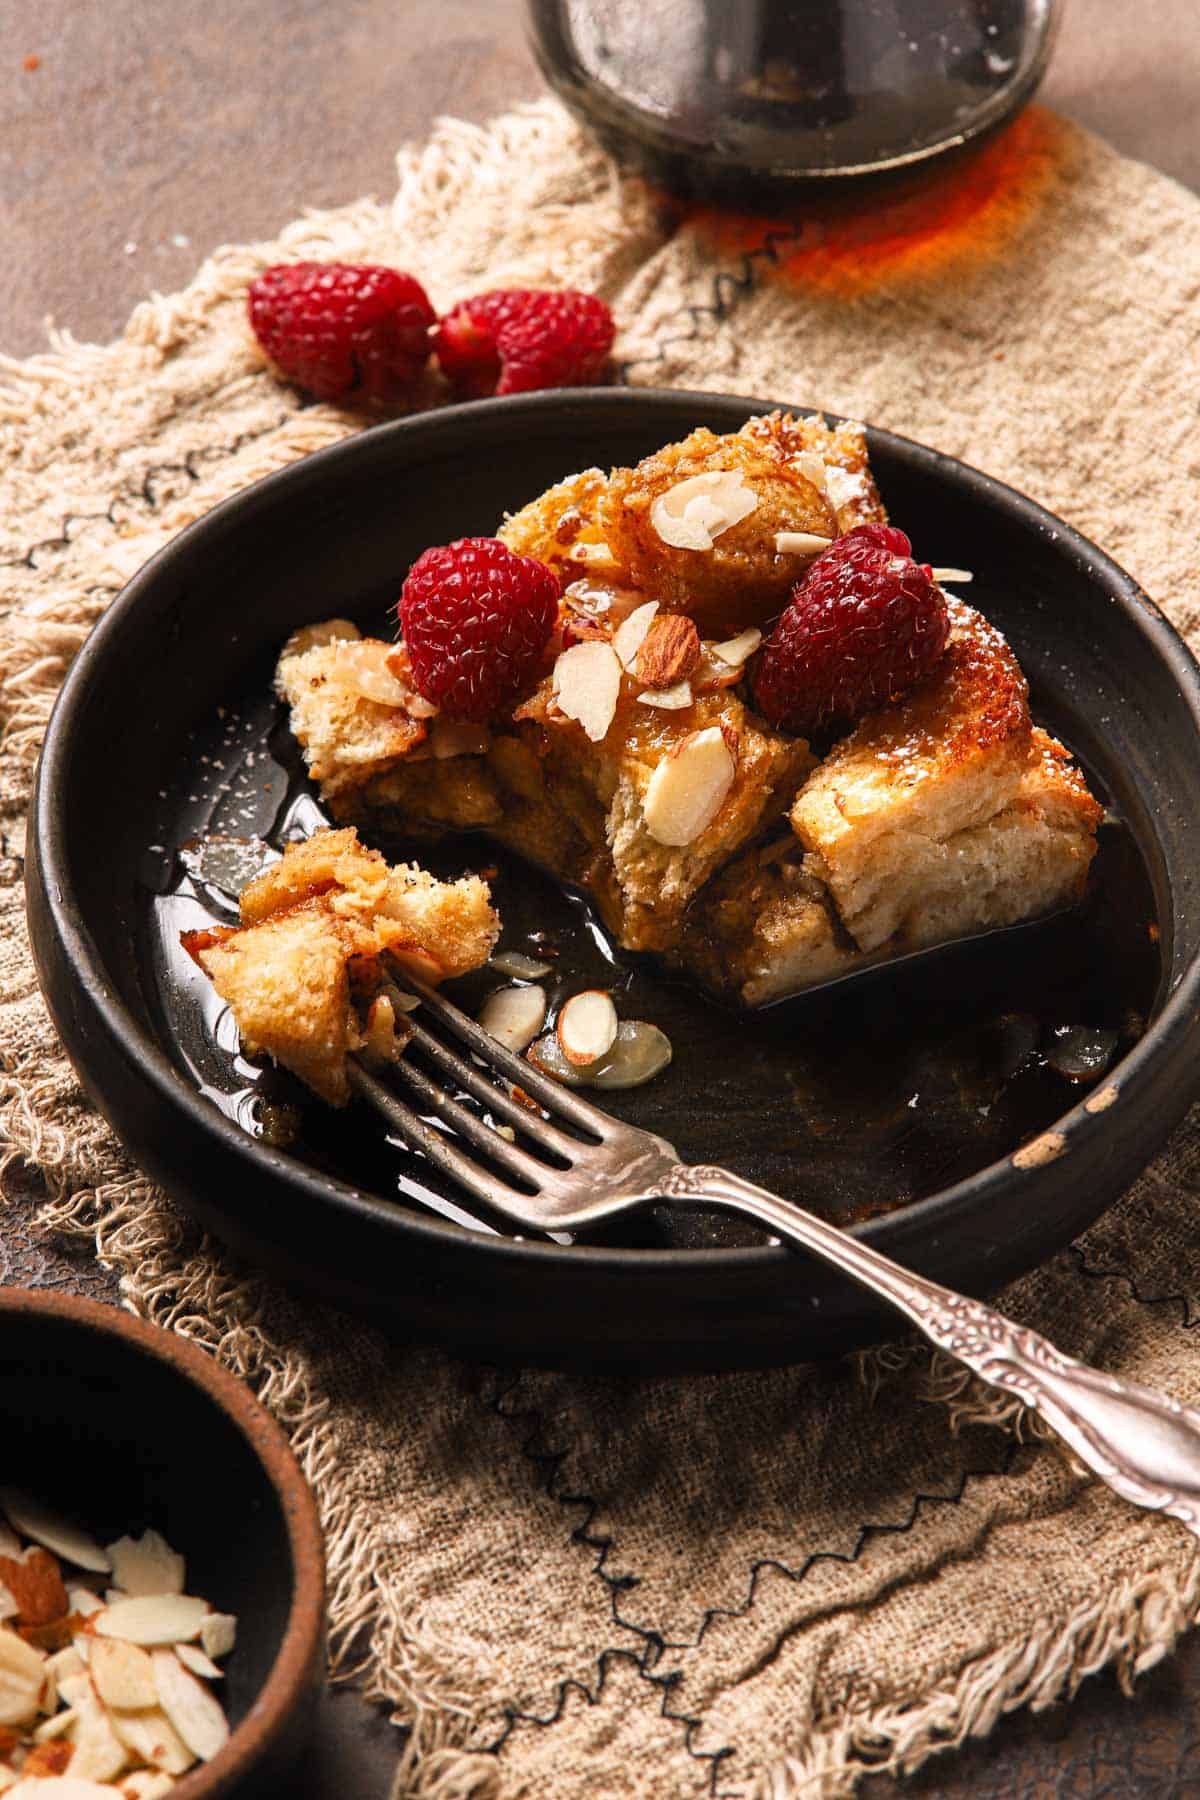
(144, 126)
(144, 137)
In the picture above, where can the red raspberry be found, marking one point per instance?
(515, 339)
(476, 620)
(343, 329)
(862, 627)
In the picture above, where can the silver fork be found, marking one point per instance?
(1146, 1446)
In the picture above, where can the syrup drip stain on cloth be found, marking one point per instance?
(960, 217)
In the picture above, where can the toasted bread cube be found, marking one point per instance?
(453, 920)
(562, 528)
(743, 579)
(842, 448)
(330, 863)
(288, 983)
(346, 738)
(648, 885)
(765, 928)
(946, 757)
(315, 926)
(1031, 857)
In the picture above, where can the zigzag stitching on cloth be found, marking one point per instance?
(143, 491)
(1187, 1320)
(727, 289)
(549, 1462)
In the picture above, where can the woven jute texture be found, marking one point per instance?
(754, 1584)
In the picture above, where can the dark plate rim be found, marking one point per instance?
(1165, 1043)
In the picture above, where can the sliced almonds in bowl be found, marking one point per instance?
(102, 1696)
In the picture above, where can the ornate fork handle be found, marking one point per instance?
(1144, 1445)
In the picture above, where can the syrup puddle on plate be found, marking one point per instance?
(853, 1103)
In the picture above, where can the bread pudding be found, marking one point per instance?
(641, 753)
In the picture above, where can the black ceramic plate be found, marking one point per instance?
(897, 1110)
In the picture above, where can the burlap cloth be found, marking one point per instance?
(762, 1584)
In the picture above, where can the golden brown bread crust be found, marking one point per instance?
(849, 483)
(743, 580)
(947, 756)
(651, 884)
(347, 738)
(763, 928)
(562, 527)
(315, 927)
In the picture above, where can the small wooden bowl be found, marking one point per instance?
(123, 1426)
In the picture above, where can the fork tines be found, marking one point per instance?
(531, 1173)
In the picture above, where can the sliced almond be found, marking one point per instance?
(845, 487)
(737, 650)
(81, 1600)
(10, 1543)
(629, 636)
(65, 1663)
(146, 1565)
(587, 684)
(54, 1726)
(417, 962)
(694, 513)
(153, 1619)
(514, 1016)
(99, 1752)
(547, 1055)
(801, 543)
(74, 1688)
(193, 1658)
(190, 1706)
(516, 963)
(688, 788)
(45, 1526)
(587, 1027)
(941, 575)
(713, 674)
(34, 1580)
(812, 467)
(218, 1633)
(362, 668)
(21, 1677)
(312, 637)
(122, 1674)
(59, 1787)
(153, 1739)
(381, 1041)
(146, 1784)
(640, 1053)
(672, 699)
(669, 652)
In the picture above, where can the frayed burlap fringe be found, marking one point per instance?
(1131, 1629)
(189, 353)
(562, 1593)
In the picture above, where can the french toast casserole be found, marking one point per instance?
(642, 751)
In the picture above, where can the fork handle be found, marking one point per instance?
(1144, 1445)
